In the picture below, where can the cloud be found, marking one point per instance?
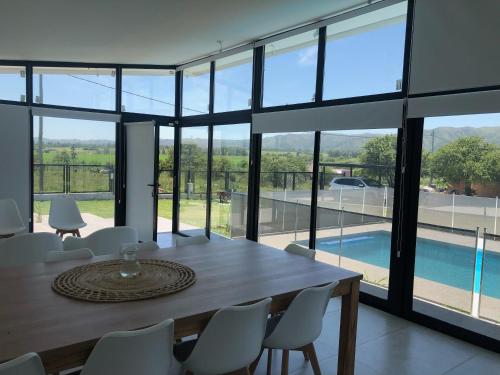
(308, 56)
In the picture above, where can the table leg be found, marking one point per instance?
(347, 335)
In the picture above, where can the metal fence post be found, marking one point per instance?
(341, 232)
(453, 211)
(296, 218)
(293, 180)
(496, 216)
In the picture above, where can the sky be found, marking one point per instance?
(360, 64)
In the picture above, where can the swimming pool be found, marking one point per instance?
(437, 261)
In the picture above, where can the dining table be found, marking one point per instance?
(63, 331)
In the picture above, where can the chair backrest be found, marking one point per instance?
(27, 364)
(231, 340)
(64, 213)
(195, 240)
(145, 351)
(57, 256)
(294, 248)
(104, 241)
(302, 322)
(10, 217)
(28, 248)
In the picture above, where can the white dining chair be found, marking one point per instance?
(147, 246)
(28, 248)
(58, 256)
(194, 240)
(11, 221)
(144, 351)
(104, 241)
(27, 364)
(299, 326)
(231, 341)
(297, 249)
(65, 217)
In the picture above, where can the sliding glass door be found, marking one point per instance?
(357, 170)
(165, 179)
(193, 180)
(285, 188)
(457, 262)
(74, 158)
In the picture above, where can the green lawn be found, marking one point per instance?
(192, 212)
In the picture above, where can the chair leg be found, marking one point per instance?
(306, 355)
(269, 361)
(284, 362)
(77, 232)
(255, 363)
(311, 351)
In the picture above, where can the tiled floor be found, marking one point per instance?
(387, 345)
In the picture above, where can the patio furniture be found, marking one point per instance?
(194, 240)
(65, 217)
(10, 218)
(228, 273)
(28, 248)
(104, 241)
(143, 351)
(297, 249)
(299, 326)
(27, 364)
(230, 342)
(57, 256)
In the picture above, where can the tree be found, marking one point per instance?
(380, 151)
(490, 166)
(462, 161)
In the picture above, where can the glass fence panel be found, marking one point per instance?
(489, 286)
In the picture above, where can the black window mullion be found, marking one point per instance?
(209, 180)
(314, 191)
(255, 148)
(320, 67)
(177, 152)
(212, 88)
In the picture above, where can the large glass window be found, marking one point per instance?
(364, 55)
(290, 70)
(196, 90)
(230, 155)
(233, 82)
(13, 83)
(76, 158)
(458, 207)
(285, 188)
(150, 91)
(355, 198)
(193, 179)
(165, 178)
(75, 87)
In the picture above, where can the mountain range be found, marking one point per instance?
(341, 142)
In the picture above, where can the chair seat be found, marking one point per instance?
(11, 230)
(66, 226)
(183, 350)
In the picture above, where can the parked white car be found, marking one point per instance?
(354, 183)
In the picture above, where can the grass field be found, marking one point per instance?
(192, 212)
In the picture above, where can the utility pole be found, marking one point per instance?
(40, 136)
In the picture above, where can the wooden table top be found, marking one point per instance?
(33, 318)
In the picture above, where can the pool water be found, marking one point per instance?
(437, 261)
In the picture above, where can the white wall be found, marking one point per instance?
(15, 157)
(455, 45)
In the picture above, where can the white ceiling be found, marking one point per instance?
(146, 31)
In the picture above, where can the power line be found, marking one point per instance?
(132, 93)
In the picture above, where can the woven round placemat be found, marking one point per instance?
(102, 282)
